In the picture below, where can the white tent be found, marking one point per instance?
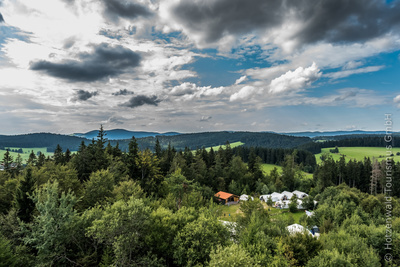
(287, 194)
(264, 197)
(300, 194)
(300, 204)
(284, 204)
(276, 197)
(297, 228)
(245, 197)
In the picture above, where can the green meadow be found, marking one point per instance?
(358, 153)
(232, 212)
(215, 148)
(26, 152)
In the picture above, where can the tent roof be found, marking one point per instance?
(223, 195)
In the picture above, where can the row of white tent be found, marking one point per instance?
(285, 195)
(245, 197)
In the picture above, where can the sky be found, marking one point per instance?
(70, 66)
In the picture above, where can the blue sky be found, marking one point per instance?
(189, 66)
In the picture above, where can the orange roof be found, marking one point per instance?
(223, 195)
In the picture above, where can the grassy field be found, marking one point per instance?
(230, 213)
(215, 148)
(267, 168)
(358, 153)
(26, 152)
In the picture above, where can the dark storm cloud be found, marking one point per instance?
(321, 20)
(82, 95)
(105, 61)
(114, 9)
(123, 92)
(1, 18)
(140, 100)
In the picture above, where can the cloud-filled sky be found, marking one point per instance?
(200, 65)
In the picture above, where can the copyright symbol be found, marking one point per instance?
(388, 257)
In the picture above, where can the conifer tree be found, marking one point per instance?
(23, 202)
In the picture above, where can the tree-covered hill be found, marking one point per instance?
(193, 141)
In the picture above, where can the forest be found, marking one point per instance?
(103, 206)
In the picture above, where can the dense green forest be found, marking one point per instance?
(105, 207)
(180, 142)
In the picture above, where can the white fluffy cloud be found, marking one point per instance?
(189, 91)
(295, 80)
(241, 79)
(243, 93)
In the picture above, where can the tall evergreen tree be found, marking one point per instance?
(7, 161)
(132, 159)
(41, 159)
(32, 158)
(158, 149)
(23, 201)
(58, 155)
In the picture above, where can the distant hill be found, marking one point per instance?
(179, 141)
(48, 140)
(335, 133)
(121, 134)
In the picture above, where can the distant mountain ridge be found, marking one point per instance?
(335, 133)
(121, 134)
(301, 140)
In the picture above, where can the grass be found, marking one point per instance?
(26, 152)
(358, 153)
(215, 148)
(231, 213)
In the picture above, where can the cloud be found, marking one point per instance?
(346, 95)
(348, 72)
(241, 79)
(140, 100)
(82, 95)
(295, 80)
(184, 89)
(243, 93)
(283, 22)
(205, 118)
(105, 61)
(114, 120)
(115, 9)
(397, 100)
(123, 92)
(189, 91)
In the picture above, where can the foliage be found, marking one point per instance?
(231, 256)
(123, 226)
(50, 233)
(194, 243)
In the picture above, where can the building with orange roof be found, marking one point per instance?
(225, 198)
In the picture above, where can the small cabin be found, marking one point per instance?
(225, 198)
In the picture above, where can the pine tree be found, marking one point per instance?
(157, 149)
(41, 160)
(58, 155)
(67, 156)
(7, 161)
(32, 158)
(23, 202)
(132, 159)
